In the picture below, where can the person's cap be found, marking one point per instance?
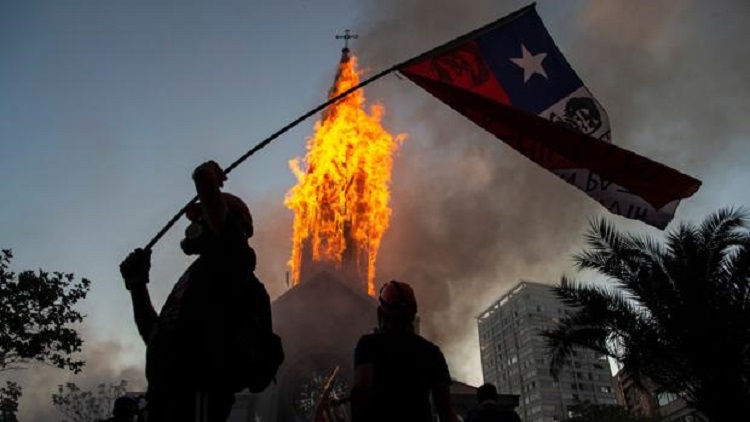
(397, 298)
(235, 205)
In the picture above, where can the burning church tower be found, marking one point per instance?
(341, 202)
(341, 211)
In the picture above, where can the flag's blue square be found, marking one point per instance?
(528, 64)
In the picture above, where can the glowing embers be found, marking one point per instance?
(340, 202)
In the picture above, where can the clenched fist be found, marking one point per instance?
(135, 268)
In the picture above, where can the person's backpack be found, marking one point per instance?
(260, 351)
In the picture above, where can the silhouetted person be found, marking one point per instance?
(396, 370)
(489, 410)
(125, 410)
(192, 350)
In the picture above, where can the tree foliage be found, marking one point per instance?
(36, 309)
(78, 405)
(675, 313)
(9, 396)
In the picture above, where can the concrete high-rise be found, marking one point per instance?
(516, 359)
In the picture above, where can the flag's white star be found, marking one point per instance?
(531, 64)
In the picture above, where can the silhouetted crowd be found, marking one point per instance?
(214, 335)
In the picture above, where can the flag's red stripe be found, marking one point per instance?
(462, 66)
(554, 146)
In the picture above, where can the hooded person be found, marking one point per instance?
(396, 371)
(192, 352)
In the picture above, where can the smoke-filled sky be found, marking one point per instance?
(107, 106)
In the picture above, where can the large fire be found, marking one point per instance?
(340, 202)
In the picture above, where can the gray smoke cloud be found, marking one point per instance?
(471, 216)
(103, 365)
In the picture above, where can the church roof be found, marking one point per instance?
(326, 282)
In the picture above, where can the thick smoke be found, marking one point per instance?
(103, 365)
(471, 216)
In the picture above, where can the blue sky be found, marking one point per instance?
(107, 106)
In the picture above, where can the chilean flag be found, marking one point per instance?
(510, 78)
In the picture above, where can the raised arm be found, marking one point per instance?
(135, 271)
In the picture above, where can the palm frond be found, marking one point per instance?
(721, 223)
(611, 253)
(678, 311)
(682, 242)
(602, 235)
(635, 263)
(736, 269)
(720, 234)
(598, 314)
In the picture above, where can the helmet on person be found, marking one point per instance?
(397, 298)
(236, 206)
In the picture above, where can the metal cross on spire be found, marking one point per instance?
(346, 37)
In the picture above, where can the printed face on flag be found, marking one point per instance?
(511, 79)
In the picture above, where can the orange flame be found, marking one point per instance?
(341, 198)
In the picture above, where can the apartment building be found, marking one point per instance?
(515, 357)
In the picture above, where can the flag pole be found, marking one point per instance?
(439, 49)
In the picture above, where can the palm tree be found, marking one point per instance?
(675, 314)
